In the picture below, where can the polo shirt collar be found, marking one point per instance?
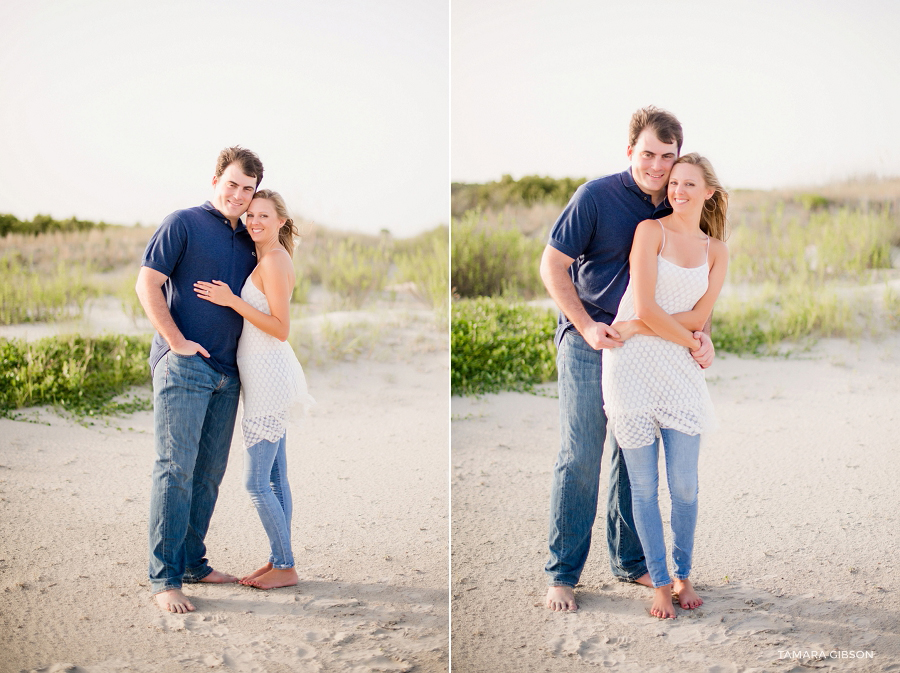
(630, 184)
(208, 206)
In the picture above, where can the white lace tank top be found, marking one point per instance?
(273, 386)
(651, 383)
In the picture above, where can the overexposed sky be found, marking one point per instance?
(116, 110)
(775, 93)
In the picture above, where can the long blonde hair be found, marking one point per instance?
(713, 218)
(288, 233)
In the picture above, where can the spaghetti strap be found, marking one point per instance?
(664, 240)
(707, 249)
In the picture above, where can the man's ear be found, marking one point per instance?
(215, 180)
(629, 151)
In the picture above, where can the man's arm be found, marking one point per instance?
(149, 291)
(554, 272)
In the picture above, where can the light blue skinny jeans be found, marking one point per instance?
(265, 478)
(682, 453)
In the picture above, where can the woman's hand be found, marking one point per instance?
(625, 328)
(217, 292)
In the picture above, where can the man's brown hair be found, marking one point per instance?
(247, 160)
(663, 123)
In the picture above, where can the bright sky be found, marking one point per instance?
(775, 93)
(117, 110)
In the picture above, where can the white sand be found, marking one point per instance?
(369, 480)
(796, 547)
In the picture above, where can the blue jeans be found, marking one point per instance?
(193, 412)
(265, 478)
(682, 453)
(576, 475)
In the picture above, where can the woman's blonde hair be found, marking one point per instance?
(715, 208)
(288, 233)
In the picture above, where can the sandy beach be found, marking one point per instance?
(796, 547)
(368, 470)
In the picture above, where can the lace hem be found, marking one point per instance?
(638, 428)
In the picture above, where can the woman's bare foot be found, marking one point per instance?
(256, 573)
(687, 597)
(274, 578)
(217, 577)
(561, 599)
(662, 603)
(644, 580)
(174, 601)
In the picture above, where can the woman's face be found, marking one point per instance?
(687, 187)
(263, 222)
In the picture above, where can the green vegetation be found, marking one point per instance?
(78, 374)
(494, 261)
(44, 224)
(528, 191)
(424, 261)
(496, 345)
(27, 295)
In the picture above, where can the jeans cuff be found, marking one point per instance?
(192, 578)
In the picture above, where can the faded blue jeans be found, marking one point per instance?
(194, 407)
(576, 475)
(682, 454)
(265, 478)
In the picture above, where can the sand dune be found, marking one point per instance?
(797, 541)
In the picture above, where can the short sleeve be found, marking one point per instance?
(574, 229)
(166, 246)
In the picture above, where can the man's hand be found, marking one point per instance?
(600, 335)
(189, 348)
(706, 353)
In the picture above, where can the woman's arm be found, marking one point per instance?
(276, 274)
(696, 319)
(643, 262)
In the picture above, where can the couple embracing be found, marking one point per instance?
(217, 291)
(635, 263)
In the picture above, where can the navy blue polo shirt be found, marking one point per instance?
(199, 244)
(596, 230)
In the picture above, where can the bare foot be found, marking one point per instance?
(662, 603)
(561, 599)
(217, 577)
(256, 573)
(644, 579)
(174, 601)
(276, 577)
(687, 597)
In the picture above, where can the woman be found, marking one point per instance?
(652, 387)
(272, 381)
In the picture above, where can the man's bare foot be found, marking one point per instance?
(273, 579)
(174, 601)
(644, 579)
(561, 599)
(256, 573)
(687, 597)
(217, 577)
(662, 603)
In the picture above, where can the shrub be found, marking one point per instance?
(78, 374)
(494, 261)
(496, 345)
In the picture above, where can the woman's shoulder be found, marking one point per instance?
(717, 246)
(276, 258)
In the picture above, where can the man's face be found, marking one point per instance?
(233, 191)
(651, 161)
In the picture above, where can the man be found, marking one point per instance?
(585, 270)
(194, 369)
